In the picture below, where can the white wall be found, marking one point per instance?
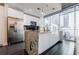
(28, 18)
(41, 22)
(3, 25)
(15, 13)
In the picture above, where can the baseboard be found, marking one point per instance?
(0, 45)
(50, 48)
(15, 42)
(70, 40)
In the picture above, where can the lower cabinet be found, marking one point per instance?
(46, 40)
(43, 42)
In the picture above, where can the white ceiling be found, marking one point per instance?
(37, 9)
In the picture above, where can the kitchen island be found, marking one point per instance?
(37, 42)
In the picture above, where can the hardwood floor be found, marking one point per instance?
(16, 49)
(64, 48)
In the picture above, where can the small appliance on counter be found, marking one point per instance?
(32, 26)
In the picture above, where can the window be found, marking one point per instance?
(61, 21)
(55, 19)
(71, 20)
(47, 21)
(77, 21)
(67, 23)
(77, 17)
(52, 22)
(66, 20)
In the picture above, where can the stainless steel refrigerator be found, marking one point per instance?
(15, 30)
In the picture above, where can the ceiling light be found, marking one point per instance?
(38, 8)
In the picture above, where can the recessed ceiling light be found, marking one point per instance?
(53, 8)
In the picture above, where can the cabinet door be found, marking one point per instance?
(54, 38)
(51, 40)
(43, 42)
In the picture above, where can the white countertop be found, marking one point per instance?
(44, 32)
